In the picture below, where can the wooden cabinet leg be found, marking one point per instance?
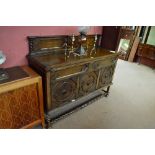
(106, 92)
(48, 123)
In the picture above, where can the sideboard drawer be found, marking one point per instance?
(71, 72)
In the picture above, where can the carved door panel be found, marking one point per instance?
(106, 75)
(87, 83)
(64, 91)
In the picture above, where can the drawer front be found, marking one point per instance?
(71, 72)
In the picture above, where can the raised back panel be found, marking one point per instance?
(42, 44)
(45, 43)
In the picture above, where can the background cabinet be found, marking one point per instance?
(110, 36)
(146, 54)
(118, 38)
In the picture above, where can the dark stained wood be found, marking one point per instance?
(126, 34)
(66, 80)
(146, 54)
(58, 59)
(110, 37)
(43, 44)
(64, 91)
(88, 83)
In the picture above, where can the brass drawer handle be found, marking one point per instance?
(74, 74)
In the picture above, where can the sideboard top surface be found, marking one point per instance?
(48, 52)
(57, 59)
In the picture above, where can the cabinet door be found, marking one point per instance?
(106, 75)
(64, 91)
(87, 83)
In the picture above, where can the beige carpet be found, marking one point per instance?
(131, 103)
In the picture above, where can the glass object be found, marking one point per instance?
(3, 74)
(2, 58)
(123, 47)
(83, 30)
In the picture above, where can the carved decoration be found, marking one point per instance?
(19, 107)
(39, 44)
(87, 83)
(106, 75)
(64, 91)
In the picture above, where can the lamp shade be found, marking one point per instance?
(83, 29)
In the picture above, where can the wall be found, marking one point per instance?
(13, 39)
(151, 38)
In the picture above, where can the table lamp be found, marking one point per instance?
(83, 30)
